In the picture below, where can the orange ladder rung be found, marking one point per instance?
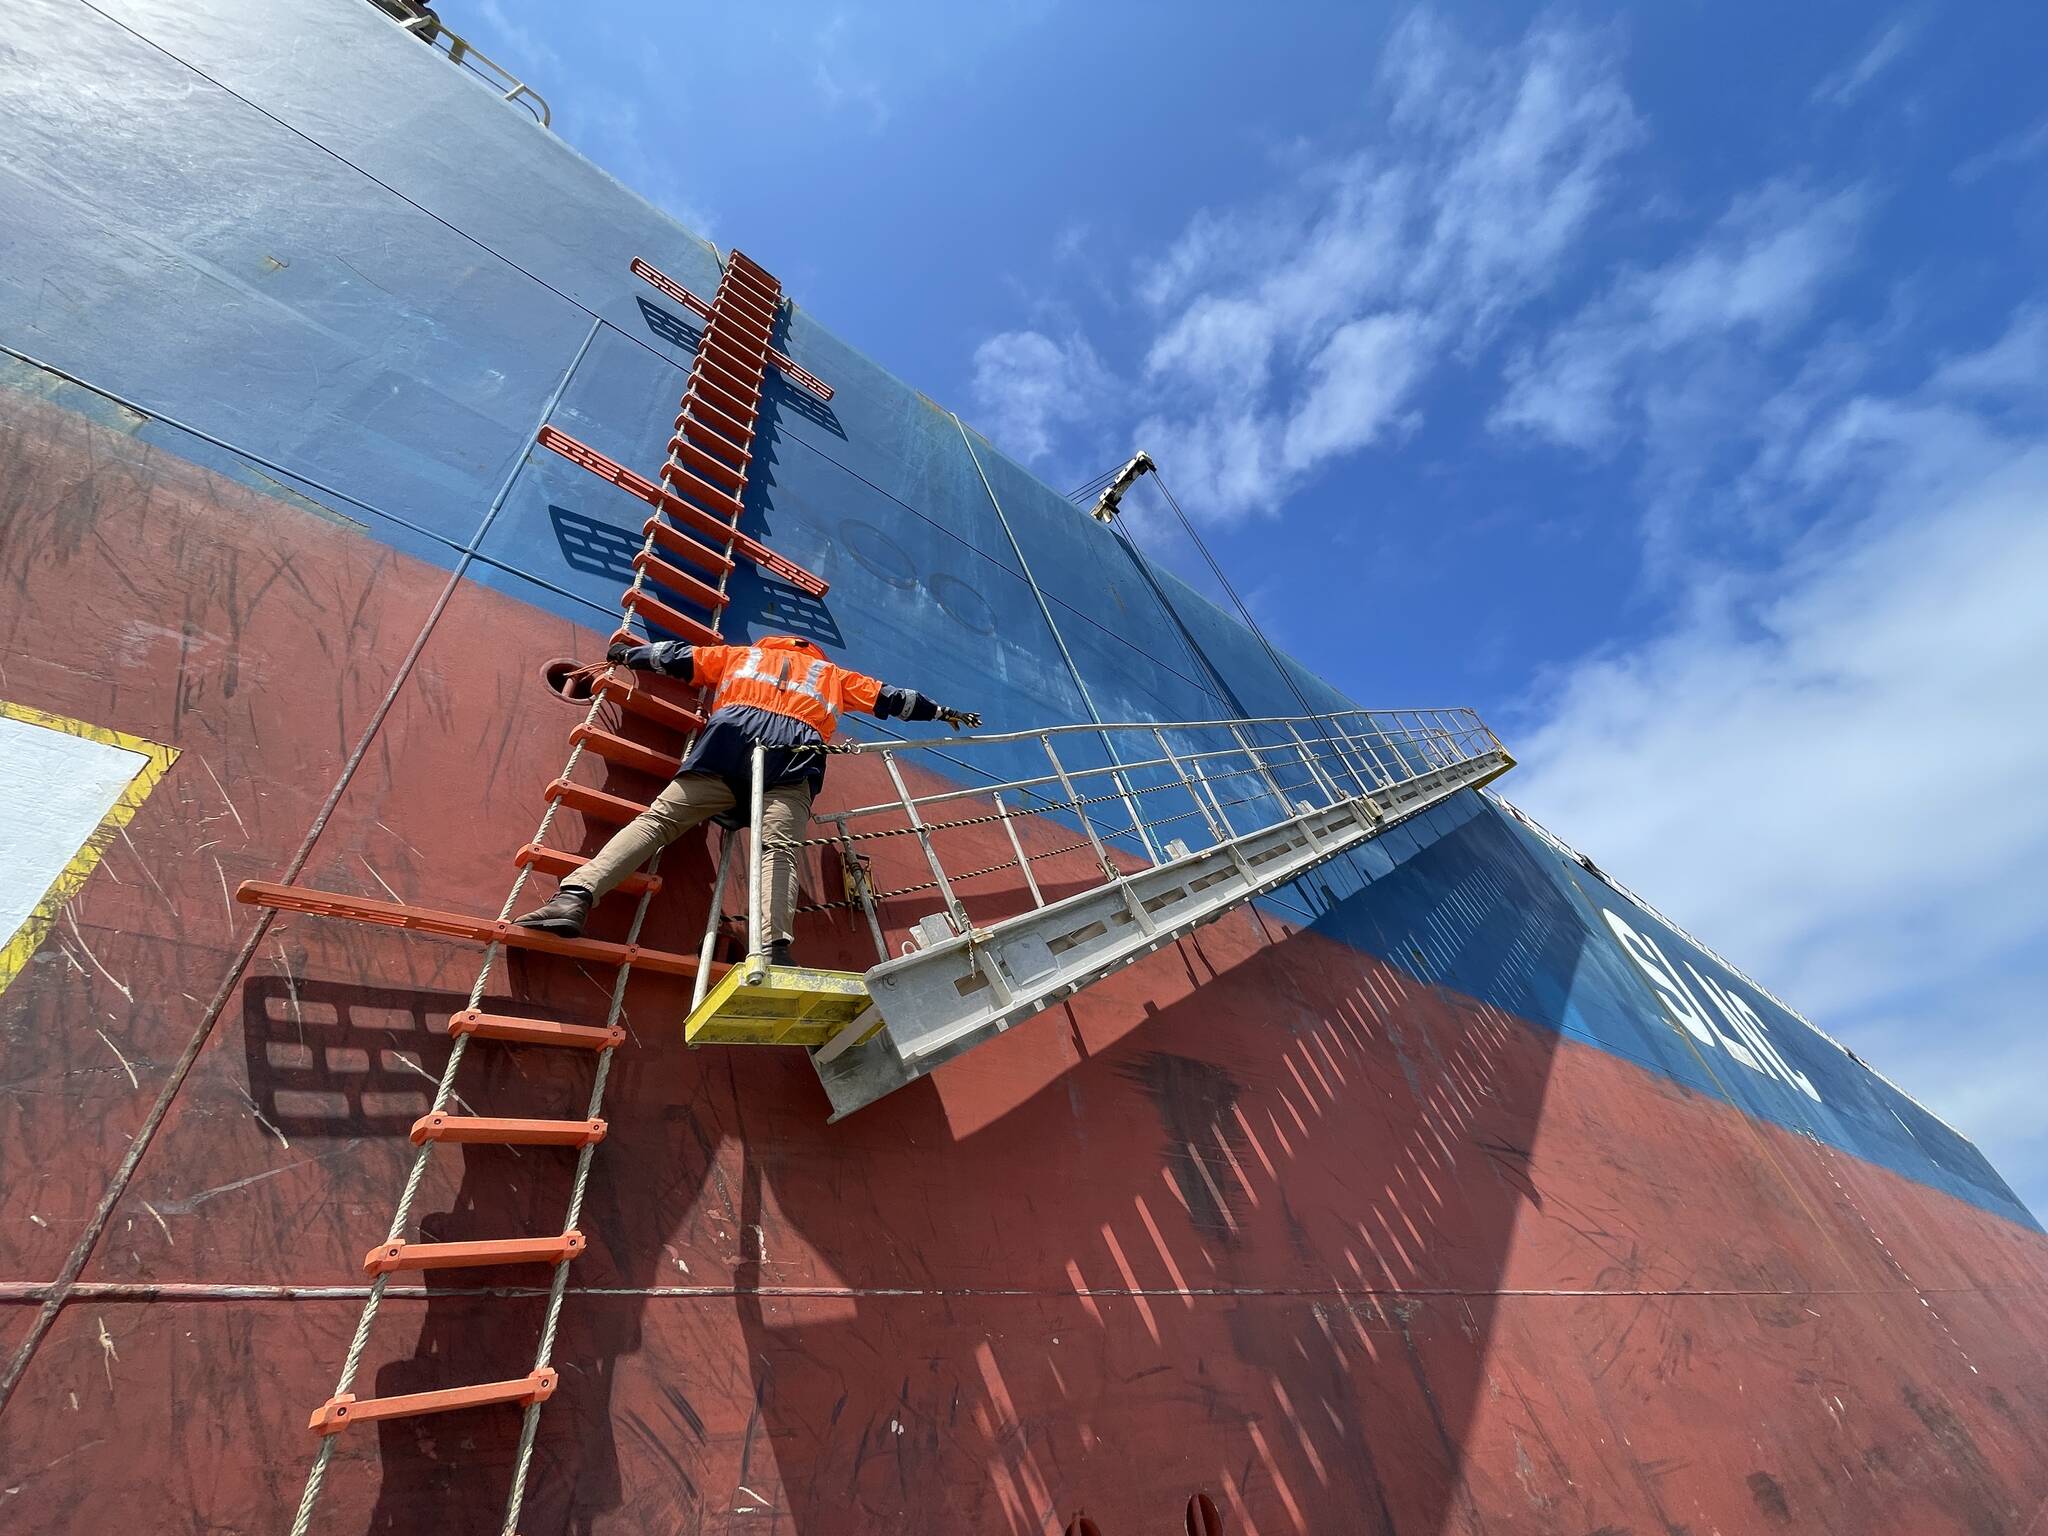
(746, 322)
(667, 536)
(690, 301)
(671, 618)
(679, 581)
(602, 804)
(711, 439)
(708, 412)
(627, 754)
(516, 1031)
(683, 481)
(390, 1258)
(689, 515)
(633, 694)
(337, 1413)
(495, 1131)
(459, 925)
(553, 861)
(741, 411)
(732, 476)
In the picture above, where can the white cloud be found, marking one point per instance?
(2017, 149)
(1297, 329)
(1847, 83)
(1832, 768)
(1356, 385)
(1027, 385)
(1757, 274)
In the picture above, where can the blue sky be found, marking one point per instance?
(1671, 384)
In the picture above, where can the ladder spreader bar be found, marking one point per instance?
(646, 490)
(675, 290)
(457, 925)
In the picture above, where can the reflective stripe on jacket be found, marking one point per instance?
(784, 677)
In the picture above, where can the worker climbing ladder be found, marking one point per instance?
(698, 503)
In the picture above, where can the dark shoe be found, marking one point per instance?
(778, 953)
(564, 913)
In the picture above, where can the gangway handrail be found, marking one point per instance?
(1089, 727)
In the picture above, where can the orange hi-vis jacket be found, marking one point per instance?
(784, 676)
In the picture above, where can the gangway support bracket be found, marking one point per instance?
(956, 992)
(790, 1005)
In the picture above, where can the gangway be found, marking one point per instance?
(1348, 777)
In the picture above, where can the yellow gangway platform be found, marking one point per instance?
(789, 1005)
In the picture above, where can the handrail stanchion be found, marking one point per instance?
(1017, 847)
(1109, 870)
(924, 840)
(857, 877)
(1349, 758)
(711, 917)
(1323, 781)
(1272, 784)
(757, 964)
(1216, 832)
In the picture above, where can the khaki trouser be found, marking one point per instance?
(690, 801)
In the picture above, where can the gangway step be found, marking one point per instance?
(337, 1413)
(390, 1258)
(457, 925)
(517, 1031)
(494, 1131)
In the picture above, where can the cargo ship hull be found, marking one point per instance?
(1449, 1190)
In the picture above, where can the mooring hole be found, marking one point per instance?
(567, 680)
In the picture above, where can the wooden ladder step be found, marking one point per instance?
(670, 618)
(687, 482)
(598, 803)
(634, 694)
(679, 581)
(515, 1031)
(495, 1131)
(672, 540)
(709, 412)
(740, 410)
(337, 1413)
(390, 1258)
(713, 441)
(553, 861)
(460, 925)
(732, 476)
(627, 754)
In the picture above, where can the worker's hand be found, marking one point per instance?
(618, 653)
(959, 717)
